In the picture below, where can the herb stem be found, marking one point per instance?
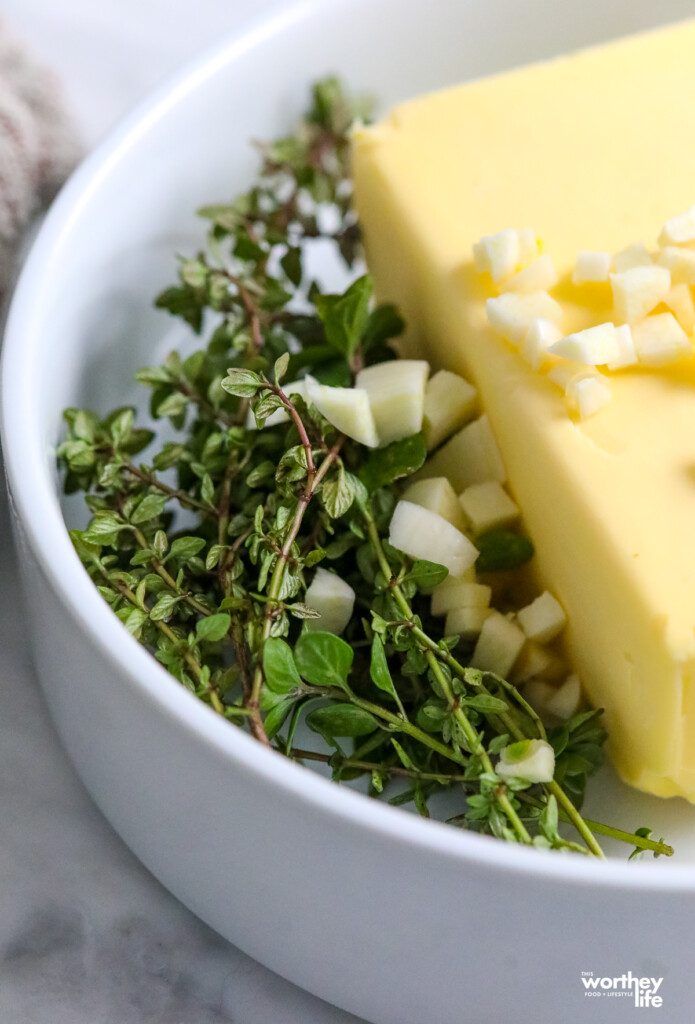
(278, 576)
(185, 499)
(473, 739)
(372, 766)
(161, 571)
(163, 628)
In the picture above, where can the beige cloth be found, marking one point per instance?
(38, 146)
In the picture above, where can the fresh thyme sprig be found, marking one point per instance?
(205, 549)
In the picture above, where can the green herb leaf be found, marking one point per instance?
(279, 668)
(151, 506)
(323, 659)
(379, 669)
(214, 627)
(344, 317)
(427, 574)
(396, 460)
(185, 548)
(501, 550)
(342, 720)
(241, 383)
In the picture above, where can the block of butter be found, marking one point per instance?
(595, 152)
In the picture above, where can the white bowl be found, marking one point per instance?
(394, 918)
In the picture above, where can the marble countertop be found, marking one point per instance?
(87, 935)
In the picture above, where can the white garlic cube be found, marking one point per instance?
(626, 354)
(538, 276)
(450, 403)
(538, 662)
(636, 255)
(591, 267)
(333, 599)
(348, 409)
(488, 506)
(464, 595)
(543, 619)
(680, 262)
(437, 494)
(680, 301)
(420, 533)
(537, 340)
(661, 341)
(465, 622)
(538, 693)
(595, 346)
(586, 396)
(637, 291)
(497, 254)
(532, 760)
(565, 701)
(499, 645)
(511, 315)
(396, 392)
(470, 457)
(567, 370)
(679, 230)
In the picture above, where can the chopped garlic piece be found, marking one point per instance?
(637, 291)
(465, 622)
(626, 355)
(681, 263)
(437, 494)
(464, 595)
(498, 254)
(333, 599)
(564, 372)
(661, 341)
(538, 276)
(450, 403)
(470, 457)
(680, 301)
(587, 395)
(538, 693)
(565, 701)
(595, 346)
(532, 760)
(543, 619)
(419, 533)
(538, 662)
(634, 256)
(511, 315)
(499, 645)
(679, 229)
(487, 506)
(591, 267)
(348, 409)
(538, 339)
(396, 392)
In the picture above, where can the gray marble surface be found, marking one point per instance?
(87, 935)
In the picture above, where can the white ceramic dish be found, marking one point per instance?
(399, 920)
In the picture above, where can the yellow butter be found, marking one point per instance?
(596, 152)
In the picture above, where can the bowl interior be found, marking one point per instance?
(85, 302)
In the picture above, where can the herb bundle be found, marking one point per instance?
(205, 549)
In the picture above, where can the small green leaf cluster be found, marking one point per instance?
(204, 545)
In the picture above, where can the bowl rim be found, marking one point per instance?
(36, 505)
